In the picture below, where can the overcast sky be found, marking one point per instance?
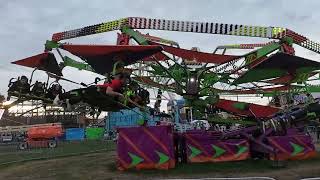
(25, 25)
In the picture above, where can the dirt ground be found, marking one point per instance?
(101, 166)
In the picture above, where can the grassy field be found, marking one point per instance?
(10, 153)
(102, 166)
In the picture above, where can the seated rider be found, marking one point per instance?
(115, 87)
(20, 86)
(93, 94)
(38, 89)
(143, 96)
(54, 91)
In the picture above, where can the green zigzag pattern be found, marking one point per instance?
(296, 149)
(162, 158)
(242, 149)
(194, 152)
(218, 151)
(135, 160)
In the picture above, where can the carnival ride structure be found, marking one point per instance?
(200, 78)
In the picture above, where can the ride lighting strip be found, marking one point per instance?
(244, 46)
(190, 26)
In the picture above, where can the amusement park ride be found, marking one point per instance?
(270, 69)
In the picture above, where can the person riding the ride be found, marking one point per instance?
(96, 94)
(115, 86)
(54, 91)
(38, 89)
(20, 87)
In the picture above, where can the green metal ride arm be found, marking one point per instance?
(261, 52)
(67, 61)
(140, 39)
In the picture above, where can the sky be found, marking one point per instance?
(26, 25)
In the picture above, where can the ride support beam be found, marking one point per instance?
(135, 35)
(140, 39)
(67, 61)
(261, 52)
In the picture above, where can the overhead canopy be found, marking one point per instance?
(246, 109)
(44, 61)
(278, 65)
(102, 57)
(281, 80)
(262, 90)
(156, 57)
(197, 56)
(287, 78)
(147, 81)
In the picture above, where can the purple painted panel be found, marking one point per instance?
(206, 147)
(145, 148)
(292, 146)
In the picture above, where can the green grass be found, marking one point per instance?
(102, 166)
(11, 153)
(63, 163)
(250, 165)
